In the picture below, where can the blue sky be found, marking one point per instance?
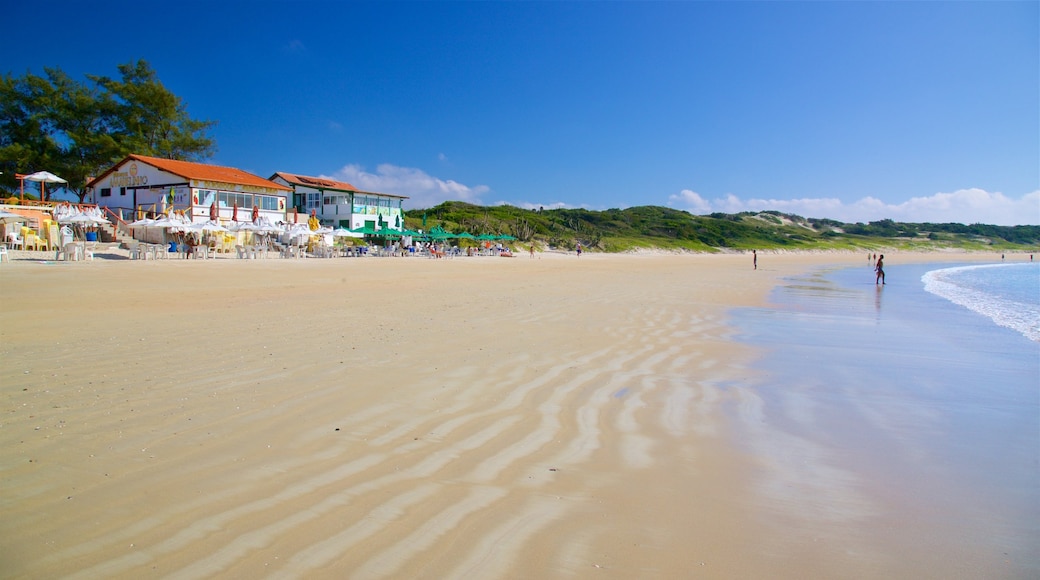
(923, 111)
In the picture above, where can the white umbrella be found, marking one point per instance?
(244, 227)
(44, 177)
(210, 226)
(171, 223)
(344, 233)
(83, 220)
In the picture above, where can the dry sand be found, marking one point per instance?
(387, 417)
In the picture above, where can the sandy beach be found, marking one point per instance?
(398, 418)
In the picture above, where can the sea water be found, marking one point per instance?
(1008, 294)
(904, 415)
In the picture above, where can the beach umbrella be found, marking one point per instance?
(265, 226)
(365, 230)
(388, 233)
(84, 219)
(10, 218)
(171, 223)
(440, 235)
(466, 235)
(44, 177)
(244, 227)
(143, 222)
(210, 226)
(213, 211)
(506, 237)
(343, 233)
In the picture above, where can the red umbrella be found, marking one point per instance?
(234, 214)
(213, 211)
(256, 213)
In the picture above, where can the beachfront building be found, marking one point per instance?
(340, 204)
(140, 185)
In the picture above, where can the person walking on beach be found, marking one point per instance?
(532, 249)
(880, 269)
(754, 258)
(579, 249)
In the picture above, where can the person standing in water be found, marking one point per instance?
(880, 269)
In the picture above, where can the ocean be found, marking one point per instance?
(1008, 294)
(907, 415)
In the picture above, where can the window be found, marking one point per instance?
(106, 192)
(268, 202)
(122, 191)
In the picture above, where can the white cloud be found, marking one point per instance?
(966, 206)
(422, 189)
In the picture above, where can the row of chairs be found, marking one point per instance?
(28, 239)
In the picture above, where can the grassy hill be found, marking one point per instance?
(653, 227)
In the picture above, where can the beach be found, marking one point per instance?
(551, 417)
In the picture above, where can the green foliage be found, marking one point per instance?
(77, 130)
(654, 227)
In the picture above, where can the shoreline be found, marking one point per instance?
(381, 416)
(911, 413)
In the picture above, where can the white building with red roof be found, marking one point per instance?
(140, 183)
(340, 204)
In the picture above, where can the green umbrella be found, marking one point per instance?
(506, 237)
(367, 230)
(466, 235)
(388, 233)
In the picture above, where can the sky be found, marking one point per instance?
(855, 111)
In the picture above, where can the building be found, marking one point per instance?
(340, 204)
(141, 184)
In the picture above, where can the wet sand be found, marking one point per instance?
(393, 417)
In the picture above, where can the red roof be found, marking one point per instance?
(323, 183)
(315, 182)
(200, 171)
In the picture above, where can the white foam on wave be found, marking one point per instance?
(1019, 316)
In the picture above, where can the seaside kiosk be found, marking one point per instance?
(140, 185)
(340, 204)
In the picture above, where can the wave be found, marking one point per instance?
(998, 303)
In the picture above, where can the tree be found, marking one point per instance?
(78, 130)
(85, 117)
(26, 130)
(152, 120)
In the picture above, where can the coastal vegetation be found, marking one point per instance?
(662, 228)
(79, 129)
